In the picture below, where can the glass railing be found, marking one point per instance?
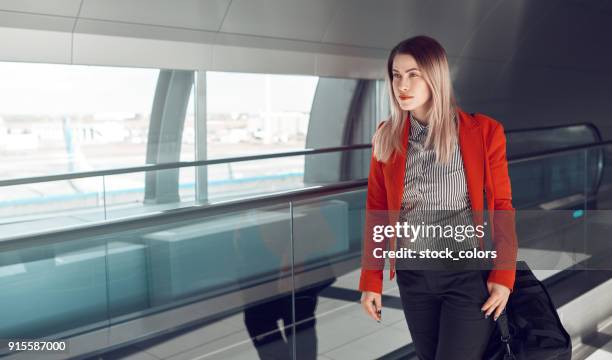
(39, 204)
(235, 263)
(522, 142)
(272, 274)
(558, 181)
(55, 202)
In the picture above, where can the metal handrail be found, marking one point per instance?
(589, 125)
(546, 153)
(177, 165)
(182, 164)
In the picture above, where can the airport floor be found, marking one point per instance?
(345, 332)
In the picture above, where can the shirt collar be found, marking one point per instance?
(416, 128)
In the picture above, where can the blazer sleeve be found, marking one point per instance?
(504, 232)
(371, 278)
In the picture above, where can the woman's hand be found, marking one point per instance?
(498, 298)
(372, 304)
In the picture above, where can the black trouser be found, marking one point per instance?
(442, 309)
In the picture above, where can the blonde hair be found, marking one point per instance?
(432, 61)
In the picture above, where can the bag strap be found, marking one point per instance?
(502, 325)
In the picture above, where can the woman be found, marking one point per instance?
(431, 156)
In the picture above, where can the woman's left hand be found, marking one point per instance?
(498, 298)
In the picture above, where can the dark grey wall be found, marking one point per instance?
(538, 63)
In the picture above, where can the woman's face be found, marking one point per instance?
(409, 87)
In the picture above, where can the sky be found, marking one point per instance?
(52, 89)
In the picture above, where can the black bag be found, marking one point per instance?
(529, 328)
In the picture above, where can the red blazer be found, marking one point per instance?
(478, 135)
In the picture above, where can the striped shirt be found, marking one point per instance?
(434, 193)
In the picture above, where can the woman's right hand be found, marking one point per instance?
(372, 304)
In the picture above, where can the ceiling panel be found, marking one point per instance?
(244, 59)
(29, 45)
(452, 23)
(383, 24)
(94, 49)
(48, 7)
(262, 42)
(289, 19)
(499, 35)
(349, 67)
(192, 14)
(572, 36)
(36, 22)
(143, 31)
(379, 24)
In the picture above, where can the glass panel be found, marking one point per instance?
(248, 178)
(602, 158)
(48, 289)
(257, 113)
(165, 190)
(328, 234)
(229, 274)
(30, 208)
(187, 185)
(551, 196)
(556, 181)
(188, 142)
(598, 216)
(69, 118)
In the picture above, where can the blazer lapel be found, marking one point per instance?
(472, 153)
(394, 171)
